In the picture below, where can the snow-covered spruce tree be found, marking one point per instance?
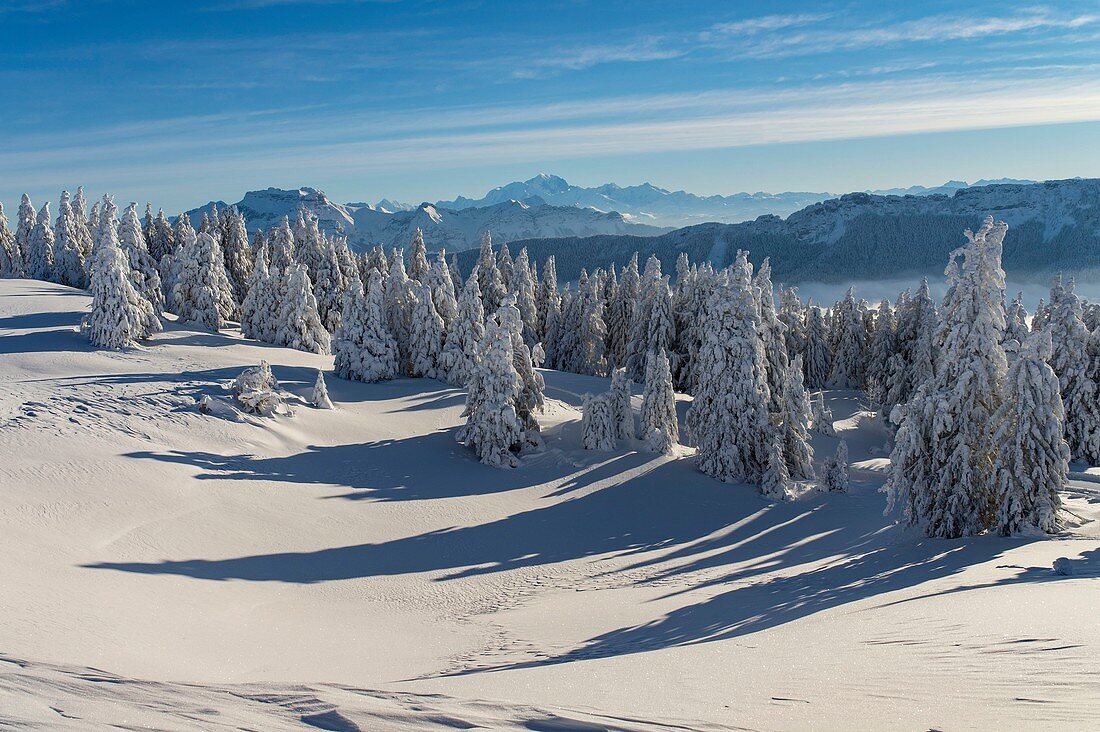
(659, 425)
(639, 344)
(120, 316)
(68, 259)
(796, 414)
(80, 225)
(552, 341)
(329, 286)
(364, 347)
(38, 256)
(237, 253)
(11, 258)
(884, 345)
(93, 223)
(300, 325)
(143, 269)
(505, 265)
(848, 355)
(597, 423)
(344, 256)
(821, 417)
(377, 259)
(463, 345)
(492, 429)
(793, 316)
(1070, 360)
(418, 257)
(309, 243)
(728, 420)
(260, 309)
(588, 355)
(818, 362)
(170, 264)
(280, 246)
(26, 218)
(1042, 316)
(524, 288)
(399, 301)
(456, 274)
(834, 470)
(547, 300)
(691, 339)
(654, 322)
(917, 325)
(529, 398)
(163, 241)
(1016, 330)
(320, 399)
(621, 387)
(488, 276)
(426, 335)
(775, 483)
(194, 294)
(941, 466)
(438, 279)
(538, 356)
(1033, 460)
(772, 333)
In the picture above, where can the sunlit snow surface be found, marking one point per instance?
(358, 569)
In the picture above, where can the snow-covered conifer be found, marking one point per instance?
(884, 346)
(442, 288)
(260, 308)
(524, 288)
(194, 294)
(26, 218)
(793, 316)
(834, 470)
(488, 276)
(775, 483)
(1033, 458)
(796, 413)
(1016, 330)
(659, 424)
(944, 449)
(821, 417)
(547, 300)
(728, 419)
(418, 257)
(529, 398)
(848, 355)
(120, 316)
(308, 243)
(163, 241)
(320, 399)
(621, 387)
(68, 259)
(1070, 360)
(280, 247)
(237, 253)
(597, 423)
(426, 334)
(329, 285)
(492, 429)
(463, 345)
(38, 255)
(818, 362)
(143, 269)
(80, 226)
(300, 325)
(11, 258)
(364, 347)
(399, 310)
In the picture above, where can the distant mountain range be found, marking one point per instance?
(542, 207)
(1053, 226)
(392, 225)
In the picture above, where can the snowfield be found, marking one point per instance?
(358, 569)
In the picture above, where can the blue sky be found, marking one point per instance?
(182, 102)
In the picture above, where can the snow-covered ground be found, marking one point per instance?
(358, 569)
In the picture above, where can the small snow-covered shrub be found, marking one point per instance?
(822, 417)
(257, 390)
(320, 398)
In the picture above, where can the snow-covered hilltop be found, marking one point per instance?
(392, 224)
(1054, 225)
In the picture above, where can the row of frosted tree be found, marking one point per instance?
(987, 410)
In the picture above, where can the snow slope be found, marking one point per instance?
(357, 569)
